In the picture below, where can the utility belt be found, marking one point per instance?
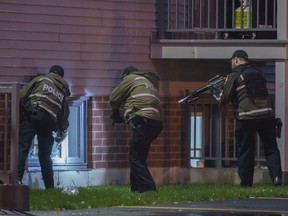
(36, 108)
(31, 109)
(140, 121)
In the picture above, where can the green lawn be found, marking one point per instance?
(119, 195)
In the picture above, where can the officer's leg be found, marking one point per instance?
(46, 141)
(26, 135)
(245, 138)
(267, 133)
(141, 179)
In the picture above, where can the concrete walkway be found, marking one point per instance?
(251, 207)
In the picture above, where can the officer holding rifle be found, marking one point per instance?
(246, 88)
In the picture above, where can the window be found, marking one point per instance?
(196, 140)
(70, 154)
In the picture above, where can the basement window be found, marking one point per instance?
(71, 153)
(196, 140)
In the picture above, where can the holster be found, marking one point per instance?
(278, 126)
(138, 124)
(26, 107)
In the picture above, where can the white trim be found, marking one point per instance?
(145, 95)
(150, 108)
(255, 111)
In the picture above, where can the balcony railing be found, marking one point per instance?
(211, 138)
(217, 19)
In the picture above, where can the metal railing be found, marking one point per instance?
(217, 19)
(211, 135)
(10, 120)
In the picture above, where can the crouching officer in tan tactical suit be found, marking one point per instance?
(43, 109)
(138, 93)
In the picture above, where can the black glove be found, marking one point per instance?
(216, 92)
(60, 136)
(116, 118)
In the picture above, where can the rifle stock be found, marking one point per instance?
(215, 82)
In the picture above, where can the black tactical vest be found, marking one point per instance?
(252, 83)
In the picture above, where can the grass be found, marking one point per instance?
(119, 195)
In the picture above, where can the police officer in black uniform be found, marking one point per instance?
(246, 87)
(43, 109)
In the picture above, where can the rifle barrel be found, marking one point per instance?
(212, 82)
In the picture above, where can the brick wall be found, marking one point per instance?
(108, 146)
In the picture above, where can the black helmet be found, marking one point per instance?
(128, 70)
(57, 69)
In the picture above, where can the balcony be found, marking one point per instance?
(198, 28)
(218, 19)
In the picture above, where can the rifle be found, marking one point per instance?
(214, 83)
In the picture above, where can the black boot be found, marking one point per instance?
(277, 181)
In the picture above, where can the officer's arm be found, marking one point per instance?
(118, 97)
(120, 94)
(62, 121)
(27, 88)
(228, 89)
